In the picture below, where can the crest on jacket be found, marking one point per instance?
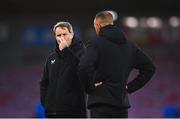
(53, 61)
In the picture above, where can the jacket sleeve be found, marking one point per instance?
(146, 70)
(44, 85)
(86, 69)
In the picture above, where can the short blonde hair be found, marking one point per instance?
(63, 24)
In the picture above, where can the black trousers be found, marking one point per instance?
(106, 111)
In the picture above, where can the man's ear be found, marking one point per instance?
(99, 26)
(72, 35)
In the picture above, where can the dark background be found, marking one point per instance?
(26, 39)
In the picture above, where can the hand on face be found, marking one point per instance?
(62, 43)
(63, 37)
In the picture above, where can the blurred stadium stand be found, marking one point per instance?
(26, 39)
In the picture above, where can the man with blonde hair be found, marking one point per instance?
(60, 89)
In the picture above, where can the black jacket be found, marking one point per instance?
(110, 59)
(60, 88)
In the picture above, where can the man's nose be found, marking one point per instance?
(62, 37)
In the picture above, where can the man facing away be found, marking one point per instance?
(60, 89)
(105, 67)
